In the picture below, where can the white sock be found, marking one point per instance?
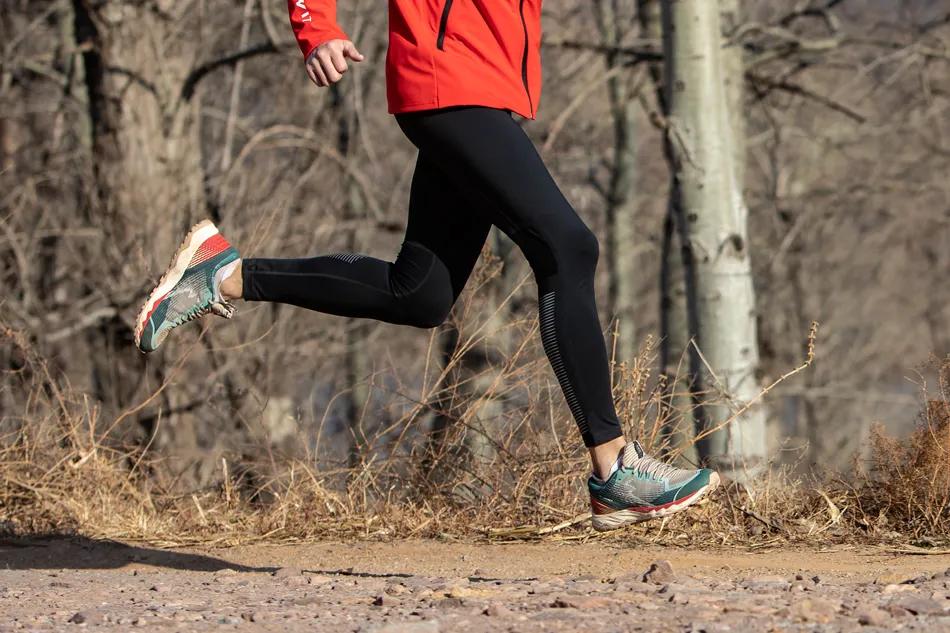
(220, 275)
(613, 469)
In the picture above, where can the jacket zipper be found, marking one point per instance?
(524, 58)
(440, 44)
(443, 22)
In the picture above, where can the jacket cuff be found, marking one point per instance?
(311, 39)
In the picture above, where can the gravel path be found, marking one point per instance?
(427, 586)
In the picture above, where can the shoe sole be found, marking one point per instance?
(197, 236)
(620, 518)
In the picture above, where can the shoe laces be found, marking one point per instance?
(224, 309)
(645, 465)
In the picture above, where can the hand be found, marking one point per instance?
(327, 63)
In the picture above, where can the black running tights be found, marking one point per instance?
(476, 168)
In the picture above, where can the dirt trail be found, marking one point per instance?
(598, 559)
(428, 586)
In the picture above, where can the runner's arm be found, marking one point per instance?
(325, 46)
(314, 23)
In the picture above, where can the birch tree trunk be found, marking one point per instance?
(713, 217)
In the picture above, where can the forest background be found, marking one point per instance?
(124, 123)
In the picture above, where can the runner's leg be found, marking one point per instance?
(444, 237)
(489, 157)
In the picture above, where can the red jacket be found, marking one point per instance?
(446, 53)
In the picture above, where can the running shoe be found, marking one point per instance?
(643, 488)
(189, 288)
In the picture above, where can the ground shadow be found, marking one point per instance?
(54, 551)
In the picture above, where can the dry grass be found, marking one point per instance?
(62, 471)
(908, 485)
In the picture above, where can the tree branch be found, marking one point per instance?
(202, 71)
(647, 53)
(759, 82)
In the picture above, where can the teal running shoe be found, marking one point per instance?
(643, 488)
(189, 288)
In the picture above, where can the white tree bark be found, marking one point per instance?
(713, 224)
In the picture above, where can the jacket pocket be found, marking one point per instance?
(443, 23)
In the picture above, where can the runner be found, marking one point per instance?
(456, 73)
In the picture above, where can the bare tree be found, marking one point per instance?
(142, 137)
(615, 25)
(712, 223)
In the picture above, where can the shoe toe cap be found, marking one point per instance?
(704, 477)
(149, 340)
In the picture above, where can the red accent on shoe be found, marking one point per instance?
(208, 249)
(153, 308)
(600, 508)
